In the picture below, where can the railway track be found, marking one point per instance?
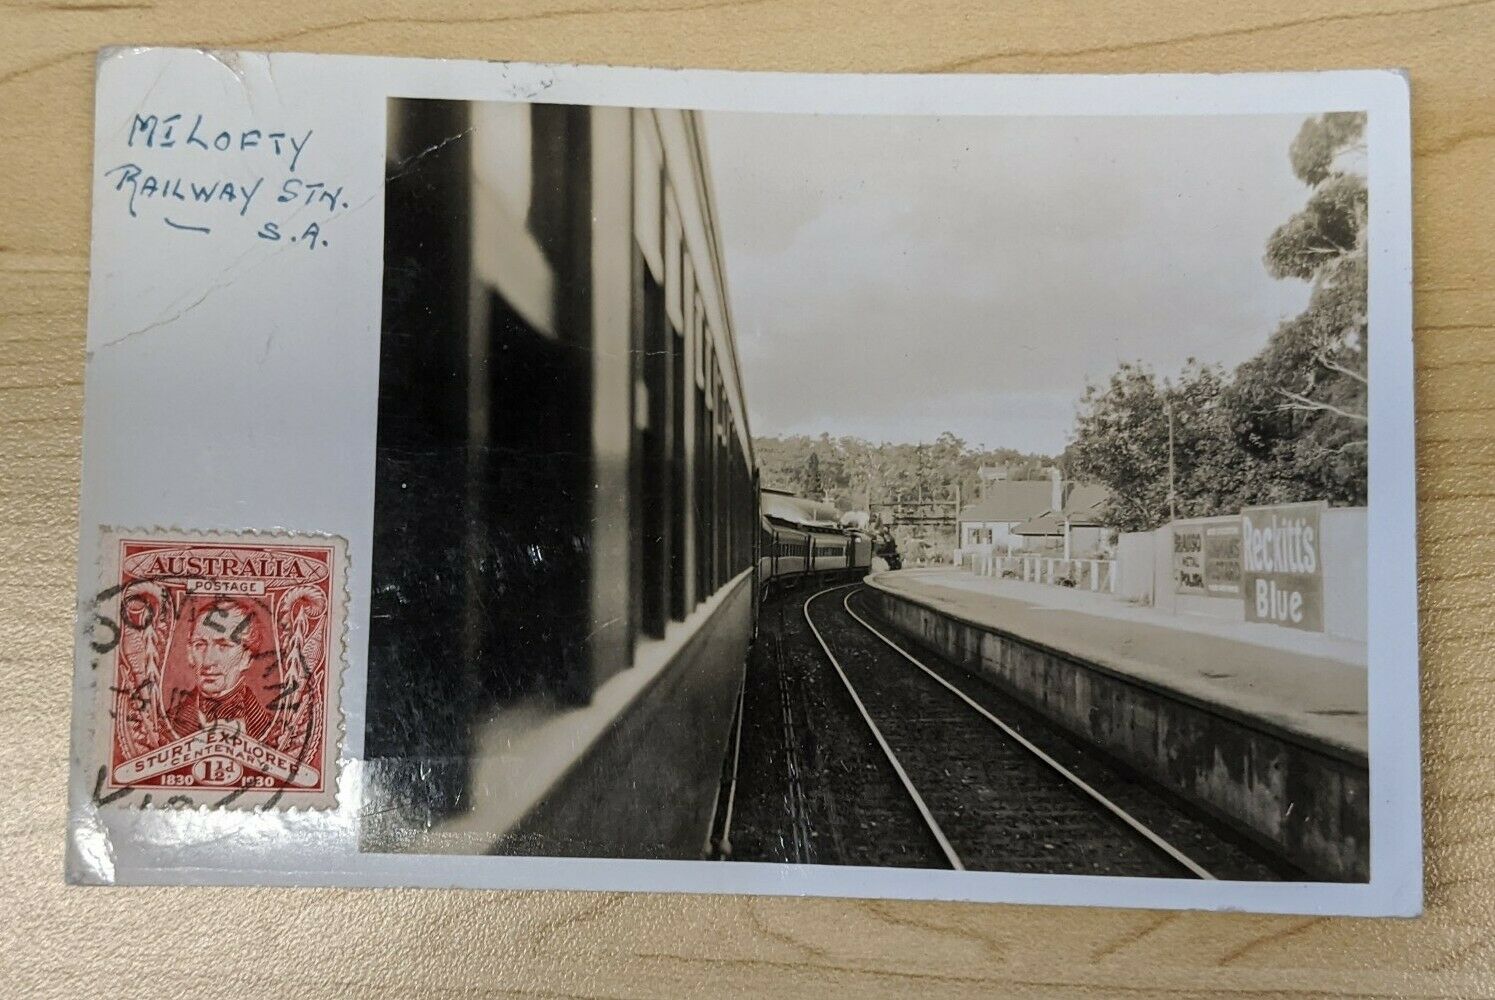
(990, 797)
(803, 781)
(852, 747)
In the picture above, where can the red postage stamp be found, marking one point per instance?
(222, 656)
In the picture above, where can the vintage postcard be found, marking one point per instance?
(949, 487)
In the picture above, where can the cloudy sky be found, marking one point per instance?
(896, 277)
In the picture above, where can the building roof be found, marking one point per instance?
(1010, 501)
(1083, 506)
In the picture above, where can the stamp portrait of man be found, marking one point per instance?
(225, 641)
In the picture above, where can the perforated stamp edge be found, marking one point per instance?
(99, 629)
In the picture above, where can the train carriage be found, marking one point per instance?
(565, 500)
(804, 539)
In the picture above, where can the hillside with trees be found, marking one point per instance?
(1291, 422)
(847, 470)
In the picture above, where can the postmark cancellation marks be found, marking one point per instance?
(217, 659)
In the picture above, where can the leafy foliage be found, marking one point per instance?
(852, 470)
(1328, 227)
(1122, 440)
(814, 482)
(1290, 423)
(1323, 140)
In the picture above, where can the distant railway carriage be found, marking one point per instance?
(800, 538)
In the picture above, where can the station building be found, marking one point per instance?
(1035, 515)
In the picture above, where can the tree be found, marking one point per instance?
(1121, 441)
(1302, 402)
(1328, 227)
(1290, 423)
(1299, 406)
(855, 474)
(814, 486)
(1122, 438)
(1323, 140)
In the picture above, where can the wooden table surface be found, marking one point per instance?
(66, 942)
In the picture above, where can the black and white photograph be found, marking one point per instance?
(990, 488)
(980, 493)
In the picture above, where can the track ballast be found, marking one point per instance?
(857, 748)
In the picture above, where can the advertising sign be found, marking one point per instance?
(1222, 558)
(1282, 572)
(1188, 559)
(1207, 558)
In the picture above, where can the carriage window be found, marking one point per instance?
(656, 232)
(673, 293)
(648, 195)
(699, 331)
(480, 595)
(678, 348)
(721, 408)
(708, 375)
(652, 546)
(690, 307)
(702, 478)
(713, 464)
(718, 466)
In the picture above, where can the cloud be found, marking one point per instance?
(896, 272)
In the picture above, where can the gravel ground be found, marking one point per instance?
(812, 785)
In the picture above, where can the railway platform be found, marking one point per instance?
(1308, 685)
(1261, 726)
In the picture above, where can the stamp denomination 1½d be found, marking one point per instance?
(219, 665)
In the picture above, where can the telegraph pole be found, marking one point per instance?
(1172, 496)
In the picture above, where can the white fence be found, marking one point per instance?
(1083, 574)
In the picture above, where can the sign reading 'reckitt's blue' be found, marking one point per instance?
(1282, 569)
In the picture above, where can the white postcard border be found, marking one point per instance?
(159, 847)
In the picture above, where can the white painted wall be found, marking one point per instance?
(1134, 570)
(1346, 545)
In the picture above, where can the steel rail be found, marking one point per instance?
(1120, 813)
(908, 785)
(724, 845)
